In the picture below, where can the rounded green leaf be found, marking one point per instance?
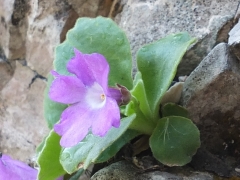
(175, 140)
(158, 64)
(48, 158)
(97, 149)
(98, 35)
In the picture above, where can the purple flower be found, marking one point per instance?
(15, 170)
(93, 105)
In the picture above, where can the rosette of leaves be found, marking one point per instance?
(173, 137)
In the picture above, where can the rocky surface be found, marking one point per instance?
(209, 21)
(234, 40)
(6, 72)
(211, 95)
(29, 32)
(21, 114)
(125, 170)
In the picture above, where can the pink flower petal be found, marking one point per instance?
(6, 172)
(16, 170)
(77, 119)
(66, 89)
(106, 117)
(89, 68)
(74, 125)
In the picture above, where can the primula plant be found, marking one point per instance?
(94, 106)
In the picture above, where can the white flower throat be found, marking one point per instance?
(95, 96)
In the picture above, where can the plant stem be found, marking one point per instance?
(142, 124)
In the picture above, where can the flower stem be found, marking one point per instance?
(142, 124)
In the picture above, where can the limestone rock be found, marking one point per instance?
(211, 95)
(124, 170)
(21, 114)
(91, 8)
(43, 35)
(13, 28)
(173, 94)
(6, 70)
(209, 21)
(234, 40)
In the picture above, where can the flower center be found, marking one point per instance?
(95, 96)
(103, 96)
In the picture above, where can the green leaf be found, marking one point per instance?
(117, 145)
(175, 140)
(98, 35)
(48, 159)
(171, 109)
(97, 149)
(63, 53)
(138, 105)
(52, 110)
(158, 64)
(139, 93)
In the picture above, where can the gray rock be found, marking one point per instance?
(211, 95)
(147, 21)
(13, 28)
(21, 115)
(125, 170)
(234, 40)
(173, 94)
(6, 72)
(234, 35)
